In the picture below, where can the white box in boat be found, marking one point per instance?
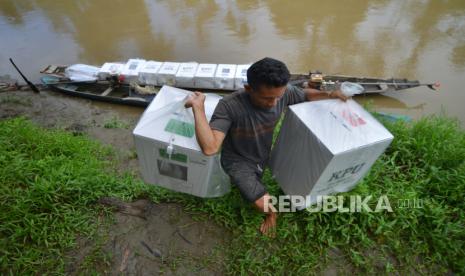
(131, 69)
(205, 76)
(225, 75)
(185, 74)
(110, 69)
(326, 147)
(148, 73)
(241, 76)
(82, 72)
(167, 73)
(167, 149)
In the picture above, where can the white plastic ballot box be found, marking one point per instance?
(130, 71)
(205, 76)
(225, 76)
(167, 149)
(149, 72)
(241, 76)
(167, 73)
(110, 69)
(326, 147)
(185, 74)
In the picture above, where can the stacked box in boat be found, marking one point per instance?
(130, 71)
(241, 76)
(205, 76)
(185, 74)
(149, 72)
(167, 73)
(225, 76)
(110, 69)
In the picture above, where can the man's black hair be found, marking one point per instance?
(268, 72)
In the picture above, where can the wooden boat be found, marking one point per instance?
(113, 91)
(100, 91)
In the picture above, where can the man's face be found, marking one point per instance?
(265, 97)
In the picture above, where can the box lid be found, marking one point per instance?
(111, 67)
(133, 66)
(187, 69)
(226, 71)
(166, 119)
(206, 70)
(169, 68)
(151, 67)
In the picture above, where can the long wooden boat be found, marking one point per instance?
(100, 91)
(113, 91)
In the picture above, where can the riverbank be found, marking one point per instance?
(65, 173)
(52, 182)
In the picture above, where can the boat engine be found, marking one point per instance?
(317, 81)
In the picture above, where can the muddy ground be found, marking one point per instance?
(166, 239)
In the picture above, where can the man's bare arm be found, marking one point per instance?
(210, 140)
(315, 95)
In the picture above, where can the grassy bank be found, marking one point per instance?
(49, 181)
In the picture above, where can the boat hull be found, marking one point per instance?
(123, 94)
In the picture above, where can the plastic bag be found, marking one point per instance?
(176, 122)
(349, 88)
(82, 72)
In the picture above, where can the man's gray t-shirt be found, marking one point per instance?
(249, 129)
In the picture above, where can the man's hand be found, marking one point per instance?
(195, 100)
(337, 94)
(209, 140)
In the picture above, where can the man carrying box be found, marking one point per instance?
(243, 123)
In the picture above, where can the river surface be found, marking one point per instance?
(422, 39)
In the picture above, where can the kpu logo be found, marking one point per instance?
(343, 173)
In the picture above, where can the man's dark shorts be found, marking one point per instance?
(247, 177)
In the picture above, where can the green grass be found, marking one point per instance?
(114, 122)
(49, 181)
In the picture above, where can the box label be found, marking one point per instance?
(175, 156)
(353, 118)
(180, 128)
(346, 172)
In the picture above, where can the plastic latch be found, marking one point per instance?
(170, 148)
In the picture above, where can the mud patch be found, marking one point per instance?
(165, 240)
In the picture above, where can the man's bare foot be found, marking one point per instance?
(268, 226)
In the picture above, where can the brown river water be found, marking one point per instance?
(422, 39)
